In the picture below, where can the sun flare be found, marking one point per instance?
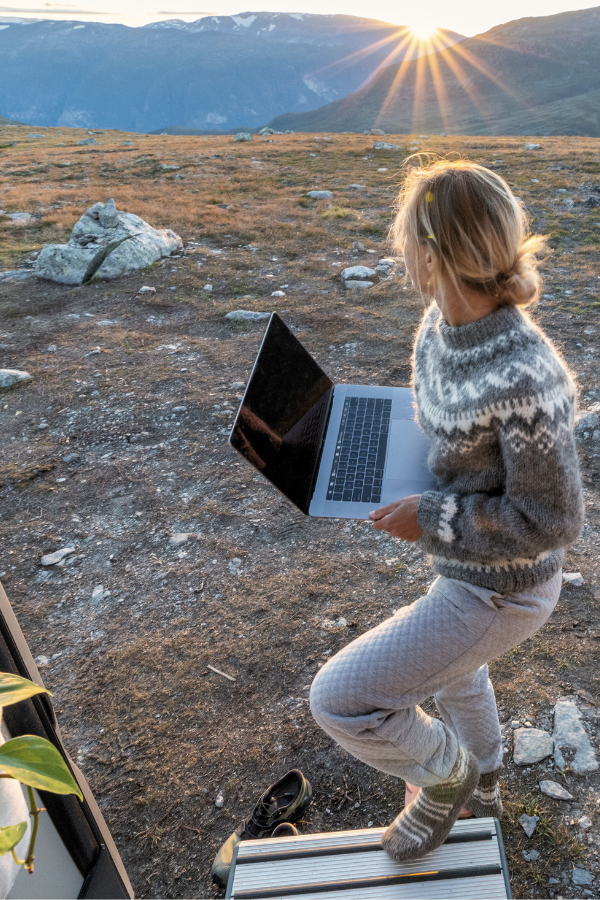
(422, 31)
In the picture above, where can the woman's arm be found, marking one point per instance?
(541, 508)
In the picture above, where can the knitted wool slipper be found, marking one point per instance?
(485, 800)
(426, 822)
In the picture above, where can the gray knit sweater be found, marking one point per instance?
(498, 406)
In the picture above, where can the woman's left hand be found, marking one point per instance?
(399, 519)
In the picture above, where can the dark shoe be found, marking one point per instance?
(284, 801)
(286, 829)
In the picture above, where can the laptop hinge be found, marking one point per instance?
(315, 474)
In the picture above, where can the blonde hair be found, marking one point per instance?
(475, 228)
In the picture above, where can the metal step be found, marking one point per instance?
(351, 865)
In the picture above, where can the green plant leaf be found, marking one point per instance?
(10, 835)
(14, 688)
(35, 761)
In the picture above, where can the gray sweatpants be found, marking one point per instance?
(366, 697)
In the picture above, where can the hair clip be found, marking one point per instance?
(429, 198)
(431, 237)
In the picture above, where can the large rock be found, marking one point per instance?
(555, 790)
(10, 377)
(67, 264)
(357, 273)
(382, 145)
(570, 737)
(531, 746)
(105, 243)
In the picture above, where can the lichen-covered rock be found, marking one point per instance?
(138, 252)
(105, 243)
(10, 377)
(382, 145)
(532, 745)
(242, 136)
(68, 265)
(570, 735)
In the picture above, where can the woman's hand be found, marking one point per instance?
(399, 518)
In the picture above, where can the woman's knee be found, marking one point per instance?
(324, 695)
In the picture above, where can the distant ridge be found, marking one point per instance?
(5, 121)
(531, 76)
(212, 75)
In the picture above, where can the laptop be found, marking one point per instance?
(335, 451)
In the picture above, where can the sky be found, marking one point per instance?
(465, 16)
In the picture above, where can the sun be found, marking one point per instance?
(422, 30)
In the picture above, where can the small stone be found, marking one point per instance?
(246, 315)
(320, 195)
(531, 746)
(585, 822)
(207, 287)
(528, 823)
(108, 215)
(237, 385)
(357, 273)
(41, 661)
(219, 801)
(587, 421)
(234, 564)
(181, 537)
(573, 578)
(146, 289)
(98, 594)
(530, 855)
(581, 876)
(278, 294)
(533, 146)
(71, 458)
(381, 145)
(351, 285)
(51, 559)
(554, 790)
(570, 734)
(10, 377)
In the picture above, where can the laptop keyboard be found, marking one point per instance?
(357, 471)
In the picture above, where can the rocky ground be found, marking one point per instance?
(183, 557)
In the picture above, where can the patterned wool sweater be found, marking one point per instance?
(498, 407)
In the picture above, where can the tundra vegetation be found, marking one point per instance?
(184, 558)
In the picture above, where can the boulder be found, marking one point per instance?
(68, 265)
(352, 285)
(84, 141)
(533, 146)
(242, 136)
(266, 130)
(570, 735)
(377, 131)
(320, 195)
(10, 377)
(105, 243)
(381, 145)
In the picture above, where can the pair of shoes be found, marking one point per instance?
(284, 801)
(426, 822)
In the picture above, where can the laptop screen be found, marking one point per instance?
(280, 423)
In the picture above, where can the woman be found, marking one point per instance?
(497, 404)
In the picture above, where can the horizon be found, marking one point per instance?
(463, 18)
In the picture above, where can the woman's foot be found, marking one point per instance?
(486, 796)
(411, 792)
(426, 823)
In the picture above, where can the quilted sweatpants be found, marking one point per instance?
(366, 697)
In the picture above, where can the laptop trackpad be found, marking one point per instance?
(407, 452)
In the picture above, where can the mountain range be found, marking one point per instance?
(531, 76)
(216, 74)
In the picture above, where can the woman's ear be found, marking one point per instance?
(428, 260)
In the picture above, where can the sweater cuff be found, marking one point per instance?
(436, 515)
(428, 511)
